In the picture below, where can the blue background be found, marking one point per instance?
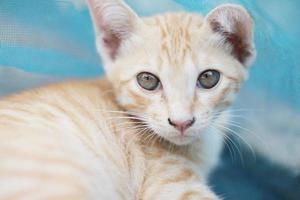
(58, 39)
(55, 39)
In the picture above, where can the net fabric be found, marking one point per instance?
(44, 41)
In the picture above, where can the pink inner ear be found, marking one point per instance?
(114, 22)
(242, 49)
(235, 25)
(112, 43)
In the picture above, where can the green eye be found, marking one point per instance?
(208, 79)
(148, 81)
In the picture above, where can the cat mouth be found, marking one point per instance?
(182, 139)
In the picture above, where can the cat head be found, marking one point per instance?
(176, 72)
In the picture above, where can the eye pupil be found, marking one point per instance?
(208, 79)
(148, 81)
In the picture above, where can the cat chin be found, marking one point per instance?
(182, 140)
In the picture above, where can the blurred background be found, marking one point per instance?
(47, 41)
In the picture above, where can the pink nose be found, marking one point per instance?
(182, 125)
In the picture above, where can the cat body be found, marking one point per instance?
(69, 141)
(152, 130)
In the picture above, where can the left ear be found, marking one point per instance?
(235, 25)
(115, 24)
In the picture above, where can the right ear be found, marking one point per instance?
(114, 23)
(235, 25)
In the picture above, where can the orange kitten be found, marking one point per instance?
(152, 130)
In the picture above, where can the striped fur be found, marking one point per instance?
(66, 141)
(110, 139)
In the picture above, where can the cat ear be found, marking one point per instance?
(114, 23)
(235, 25)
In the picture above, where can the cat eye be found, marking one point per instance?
(208, 79)
(148, 81)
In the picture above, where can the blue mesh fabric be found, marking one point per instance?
(54, 38)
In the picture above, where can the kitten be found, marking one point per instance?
(152, 130)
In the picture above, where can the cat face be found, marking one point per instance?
(176, 72)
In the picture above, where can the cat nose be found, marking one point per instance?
(182, 125)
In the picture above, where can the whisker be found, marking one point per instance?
(141, 133)
(241, 138)
(228, 143)
(124, 117)
(259, 139)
